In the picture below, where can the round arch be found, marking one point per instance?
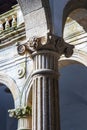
(78, 56)
(10, 83)
(27, 92)
(71, 6)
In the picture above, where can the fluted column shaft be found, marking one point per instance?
(45, 91)
(45, 52)
(25, 123)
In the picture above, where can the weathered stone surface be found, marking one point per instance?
(36, 14)
(35, 18)
(36, 24)
(29, 5)
(37, 31)
(45, 91)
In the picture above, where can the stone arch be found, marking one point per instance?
(10, 83)
(78, 57)
(75, 13)
(27, 92)
(63, 9)
(72, 5)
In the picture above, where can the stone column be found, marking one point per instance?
(45, 54)
(45, 111)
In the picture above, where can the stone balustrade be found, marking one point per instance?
(12, 27)
(8, 23)
(11, 19)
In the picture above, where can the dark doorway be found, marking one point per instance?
(6, 103)
(73, 97)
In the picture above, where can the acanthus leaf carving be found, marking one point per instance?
(53, 43)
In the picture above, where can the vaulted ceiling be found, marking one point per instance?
(6, 5)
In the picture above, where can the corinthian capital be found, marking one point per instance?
(51, 43)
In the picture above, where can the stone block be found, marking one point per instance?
(36, 23)
(38, 31)
(29, 5)
(34, 19)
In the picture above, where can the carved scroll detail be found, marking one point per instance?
(53, 43)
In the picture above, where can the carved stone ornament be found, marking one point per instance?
(21, 49)
(20, 112)
(53, 43)
(21, 72)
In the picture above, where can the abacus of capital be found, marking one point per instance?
(45, 99)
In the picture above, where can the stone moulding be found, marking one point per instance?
(11, 36)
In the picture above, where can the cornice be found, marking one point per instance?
(11, 36)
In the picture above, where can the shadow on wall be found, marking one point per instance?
(6, 102)
(73, 97)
